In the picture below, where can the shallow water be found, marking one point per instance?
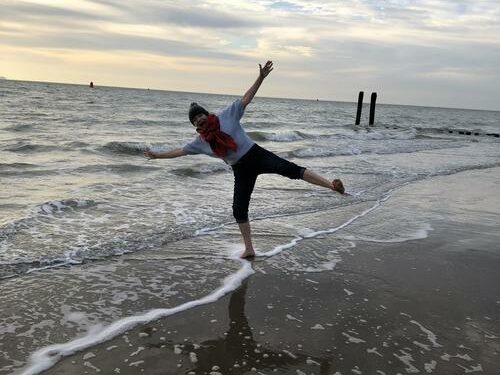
(76, 190)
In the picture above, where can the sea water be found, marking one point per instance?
(82, 212)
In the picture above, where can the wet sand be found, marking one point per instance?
(428, 305)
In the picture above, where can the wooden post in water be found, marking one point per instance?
(372, 108)
(360, 106)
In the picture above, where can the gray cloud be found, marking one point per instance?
(182, 14)
(197, 17)
(459, 75)
(415, 50)
(26, 12)
(143, 12)
(115, 42)
(71, 29)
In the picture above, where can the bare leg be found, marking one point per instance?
(246, 233)
(316, 179)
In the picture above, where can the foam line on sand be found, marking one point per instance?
(48, 356)
(292, 243)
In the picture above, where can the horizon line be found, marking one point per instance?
(263, 97)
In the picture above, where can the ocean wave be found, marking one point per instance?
(393, 132)
(12, 269)
(11, 166)
(359, 149)
(54, 206)
(130, 148)
(101, 246)
(77, 144)
(97, 249)
(265, 124)
(370, 133)
(286, 136)
(115, 168)
(44, 209)
(418, 234)
(348, 132)
(25, 170)
(30, 173)
(18, 128)
(27, 263)
(142, 122)
(25, 147)
(446, 132)
(465, 168)
(200, 169)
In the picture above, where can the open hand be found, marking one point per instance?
(264, 71)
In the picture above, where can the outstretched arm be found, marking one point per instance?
(263, 73)
(166, 154)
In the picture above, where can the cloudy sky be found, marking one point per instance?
(428, 52)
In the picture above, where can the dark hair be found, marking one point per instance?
(195, 109)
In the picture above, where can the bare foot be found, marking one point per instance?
(338, 186)
(248, 254)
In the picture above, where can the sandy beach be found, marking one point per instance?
(422, 305)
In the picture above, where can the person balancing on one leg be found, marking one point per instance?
(222, 136)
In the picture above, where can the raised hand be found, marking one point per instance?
(264, 71)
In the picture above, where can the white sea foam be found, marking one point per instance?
(407, 359)
(285, 136)
(290, 354)
(420, 234)
(291, 317)
(48, 356)
(326, 266)
(292, 243)
(374, 351)
(431, 336)
(208, 230)
(422, 346)
(429, 367)
(465, 357)
(60, 205)
(476, 368)
(317, 326)
(183, 214)
(352, 339)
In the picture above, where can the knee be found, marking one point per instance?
(302, 172)
(240, 213)
(292, 171)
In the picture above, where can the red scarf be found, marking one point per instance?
(220, 142)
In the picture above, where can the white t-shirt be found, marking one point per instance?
(229, 120)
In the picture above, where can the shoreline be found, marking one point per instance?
(420, 305)
(385, 309)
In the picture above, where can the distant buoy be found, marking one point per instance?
(91, 84)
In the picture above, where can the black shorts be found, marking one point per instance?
(256, 161)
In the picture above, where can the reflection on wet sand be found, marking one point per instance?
(237, 351)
